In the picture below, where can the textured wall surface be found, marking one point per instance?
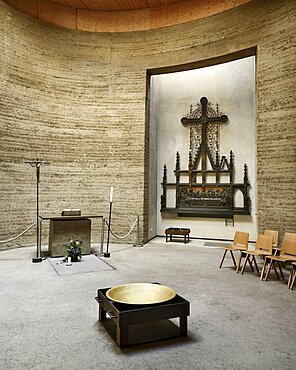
(78, 101)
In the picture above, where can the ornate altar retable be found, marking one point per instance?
(201, 190)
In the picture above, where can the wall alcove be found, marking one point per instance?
(232, 85)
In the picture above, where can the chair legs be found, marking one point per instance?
(222, 260)
(247, 259)
(255, 263)
(244, 264)
(263, 268)
(292, 278)
(239, 262)
(281, 271)
(275, 270)
(233, 259)
(293, 281)
(272, 264)
(268, 264)
(268, 269)
(223, 257)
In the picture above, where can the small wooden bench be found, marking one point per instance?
(177, 231)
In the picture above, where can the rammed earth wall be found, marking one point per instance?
(78, 100)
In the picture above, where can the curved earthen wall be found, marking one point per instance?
(78, 101)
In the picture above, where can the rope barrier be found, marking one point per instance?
(30, 227)
(22, 233)
(125, 236)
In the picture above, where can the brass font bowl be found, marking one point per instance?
(140, 293)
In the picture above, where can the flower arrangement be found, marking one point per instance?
(75, 249)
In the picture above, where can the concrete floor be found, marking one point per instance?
(237, 322)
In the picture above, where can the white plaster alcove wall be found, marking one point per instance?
(230, 84)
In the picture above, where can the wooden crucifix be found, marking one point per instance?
(203, 120)
(207, 198)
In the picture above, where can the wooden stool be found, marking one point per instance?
(177, 231)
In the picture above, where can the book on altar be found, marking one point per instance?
(71, 212)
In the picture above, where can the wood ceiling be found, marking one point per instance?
(121, 15)
(111, 5)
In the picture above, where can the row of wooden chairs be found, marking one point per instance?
(267, 248)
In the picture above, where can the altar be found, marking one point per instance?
(62, 228)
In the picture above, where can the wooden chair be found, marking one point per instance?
(287, 254)
(292, 276)
(264, 244)
(240, 243)
(275, 238)
(275, 250)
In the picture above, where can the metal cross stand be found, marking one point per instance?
(107, 254)
(37, 164)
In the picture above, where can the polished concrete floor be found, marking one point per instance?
(237, 321)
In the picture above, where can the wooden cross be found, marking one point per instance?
(203, 120)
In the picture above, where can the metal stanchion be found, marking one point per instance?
(102, 237)
(138, 244)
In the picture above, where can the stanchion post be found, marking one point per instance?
(102, 236)
(40, 236)
(138, 234)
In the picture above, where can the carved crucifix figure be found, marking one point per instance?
(203, 120)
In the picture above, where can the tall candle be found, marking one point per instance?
(111, 194)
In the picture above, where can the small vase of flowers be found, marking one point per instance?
(75, 250)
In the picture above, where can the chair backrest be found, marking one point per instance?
(274, 234)
(289, 244)
(264, 243)
(241, 239)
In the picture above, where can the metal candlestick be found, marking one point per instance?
(37, 164)
(107, 254)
